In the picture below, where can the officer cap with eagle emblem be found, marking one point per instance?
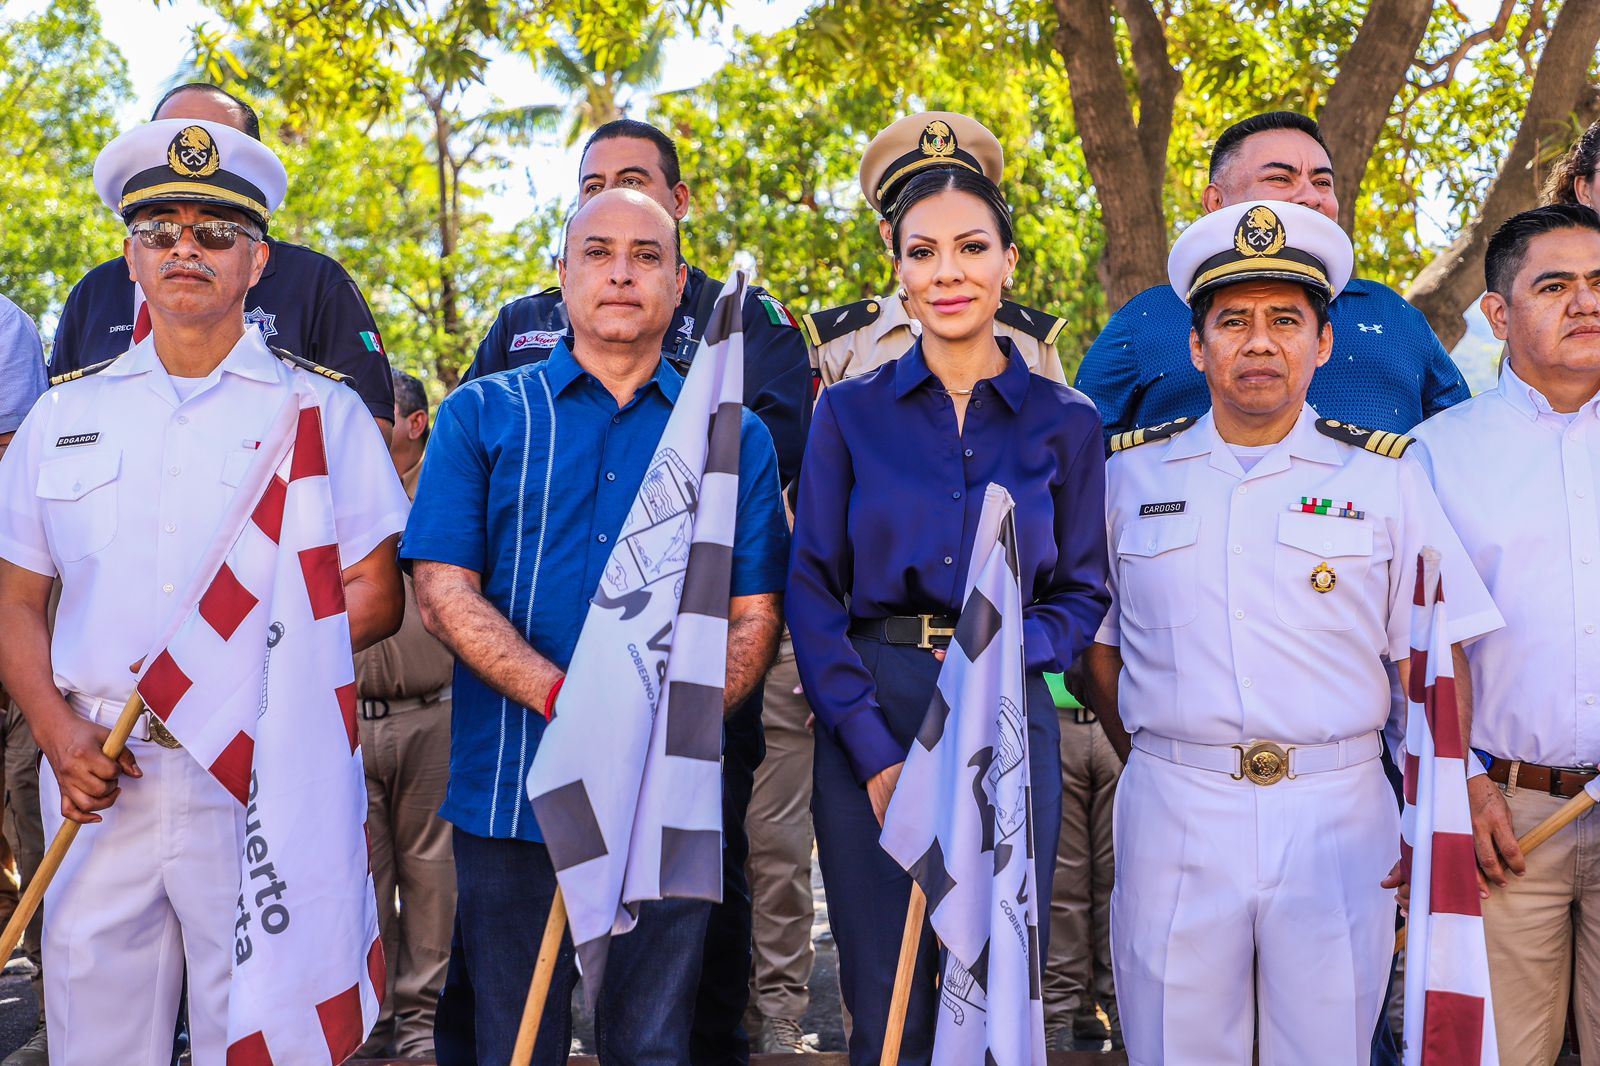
(929, 139)
(1260, 239)
(190, 161)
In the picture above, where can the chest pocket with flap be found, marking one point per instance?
(80, 501)
(1306, 541)
(1157, 562)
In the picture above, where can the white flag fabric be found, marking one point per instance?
(961, 820)
(627, 782)
(1449, 1016)
(257, 682)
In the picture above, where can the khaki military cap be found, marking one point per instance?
(929, 139)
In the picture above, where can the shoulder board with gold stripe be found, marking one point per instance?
(1042, 327)
(824, 326)
(1135, 437)
(316, 368)
(82, 372)
(1378, 441)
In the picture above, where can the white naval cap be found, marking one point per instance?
(1260, 239)
(190, 160)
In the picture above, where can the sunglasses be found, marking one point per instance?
(217, 235)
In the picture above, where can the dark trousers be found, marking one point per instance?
(868, 892)
(504, 889)
(718, 1038)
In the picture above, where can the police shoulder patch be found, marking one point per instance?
(824, 326)
(315, 368)
(1135, 437)
(1378, 441)
(1042, 327)
(82, 372)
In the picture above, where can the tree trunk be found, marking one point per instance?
(1128, 184)
(1370, 75)
(1447, 286)
(449, 308)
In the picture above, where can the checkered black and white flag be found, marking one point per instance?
(961, 820)
(627, 783)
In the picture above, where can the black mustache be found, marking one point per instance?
(185, 264)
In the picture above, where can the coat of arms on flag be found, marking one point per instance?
(257, 682)
(1449, 1020)
(961, 818)
(627, 782)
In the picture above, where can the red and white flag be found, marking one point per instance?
(256, 681)
(1449, 1019)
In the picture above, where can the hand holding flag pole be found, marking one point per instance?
(112, 749)
(1571, 811)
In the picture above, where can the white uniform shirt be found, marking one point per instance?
(1224, 638)
(1522, 487)
(119, 488)
(894, 331)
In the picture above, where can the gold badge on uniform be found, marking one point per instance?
(193, 154)
(1259, 233)
(938, 139)
(1323, 578)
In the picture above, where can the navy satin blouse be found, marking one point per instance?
(890, 494)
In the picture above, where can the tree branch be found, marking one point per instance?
(1370, 76)
(1114, 147)
(1449, 284)
(1159, 82)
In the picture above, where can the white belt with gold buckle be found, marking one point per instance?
(1261, 762)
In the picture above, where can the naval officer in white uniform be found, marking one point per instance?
(1262, 574)
(117, 483)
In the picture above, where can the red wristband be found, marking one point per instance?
(550, 700)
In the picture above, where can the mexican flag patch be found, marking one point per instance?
(372, 343)
(776, 312)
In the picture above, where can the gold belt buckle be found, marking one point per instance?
(1263, 763)
(929, 631)
(160, 733)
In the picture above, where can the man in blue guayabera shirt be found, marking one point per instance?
(1388, 370)
(528, 478)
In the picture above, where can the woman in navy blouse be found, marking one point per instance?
(890, 492)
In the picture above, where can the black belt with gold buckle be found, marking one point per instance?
(917, 630)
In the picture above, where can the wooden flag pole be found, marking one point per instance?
(910, 941)
(543, 971)
(1570, 812)
(112, 749)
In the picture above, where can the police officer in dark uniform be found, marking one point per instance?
(629, 154)
(635, 155)
(305, 302)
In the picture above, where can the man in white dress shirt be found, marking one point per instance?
(1263, 575)
(1517, 471)
(116, 482)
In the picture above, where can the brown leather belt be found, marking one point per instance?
(1565, 781)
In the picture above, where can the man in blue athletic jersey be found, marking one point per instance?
(1388, 370)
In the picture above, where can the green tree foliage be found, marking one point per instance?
(61, 83)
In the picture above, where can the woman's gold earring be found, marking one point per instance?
(904, 296)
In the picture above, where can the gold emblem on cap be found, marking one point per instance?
(1259, 233)
(193, 154)
(938, 139)
(1323, 578)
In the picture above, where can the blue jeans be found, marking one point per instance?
(503, 893)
